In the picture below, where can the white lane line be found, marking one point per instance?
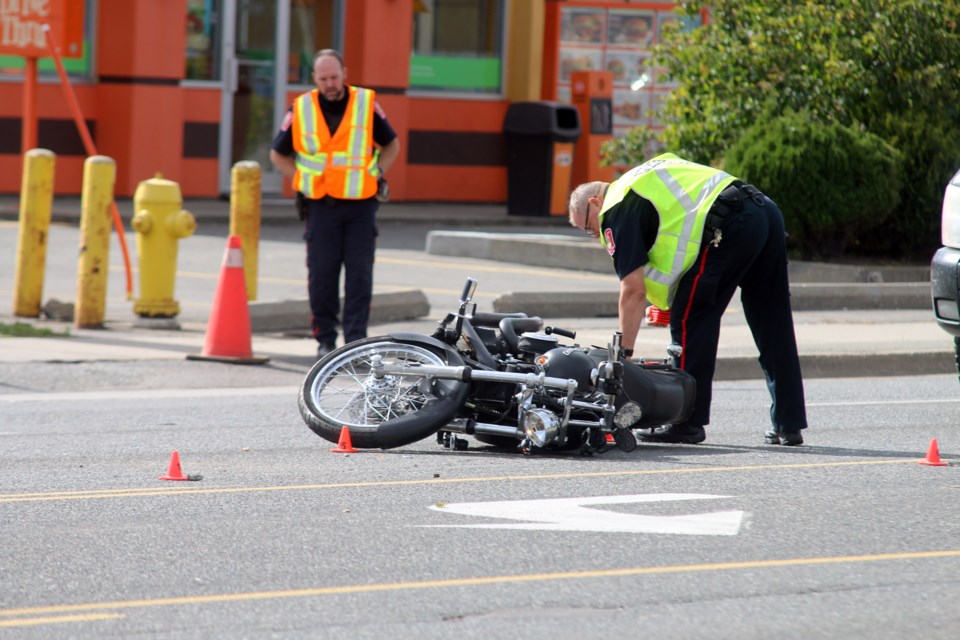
(134, 394)
(862, 403)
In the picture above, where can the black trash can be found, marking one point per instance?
(539, 141)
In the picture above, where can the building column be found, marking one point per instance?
(376, 52)
(139, 106)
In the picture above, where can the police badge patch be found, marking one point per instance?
(611, 245)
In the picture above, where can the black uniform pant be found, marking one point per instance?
(341, 235)
(752, 254)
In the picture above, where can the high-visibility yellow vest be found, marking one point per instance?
(342, 165)
(682, 193)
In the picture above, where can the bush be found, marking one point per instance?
(930, 145)
(832, 182)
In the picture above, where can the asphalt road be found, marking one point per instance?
(848, 537)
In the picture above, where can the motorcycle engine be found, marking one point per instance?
(569, 362)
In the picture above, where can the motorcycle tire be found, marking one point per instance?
(339, 391)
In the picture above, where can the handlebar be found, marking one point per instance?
(560, 332)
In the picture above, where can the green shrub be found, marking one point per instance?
(930, 146)
(832, 182)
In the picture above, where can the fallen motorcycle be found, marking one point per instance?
(503, 379)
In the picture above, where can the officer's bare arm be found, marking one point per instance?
(633, 302)
(284, 164)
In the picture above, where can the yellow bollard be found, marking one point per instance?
(96, 198)
(245, 217)
(159, 223)
(36, 203)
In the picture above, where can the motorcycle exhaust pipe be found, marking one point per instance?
(469, 427)
(466, 374)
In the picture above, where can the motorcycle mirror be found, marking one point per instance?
(468, 290)
(628, 415)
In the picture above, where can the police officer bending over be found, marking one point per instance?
(326, 148)
(684, 236)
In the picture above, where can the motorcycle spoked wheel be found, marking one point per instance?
(340, 391)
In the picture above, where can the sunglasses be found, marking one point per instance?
(586, 211)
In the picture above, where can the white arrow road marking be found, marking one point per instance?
(572, 514)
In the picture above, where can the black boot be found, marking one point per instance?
(676, 434)
(786, 438)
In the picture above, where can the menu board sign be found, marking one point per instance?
(22, 25)
(619, 40)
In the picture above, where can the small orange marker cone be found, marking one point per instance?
(609, 437)
(174, 472)
(933, 456)
(344, 445)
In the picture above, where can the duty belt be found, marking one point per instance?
(730, 201)
(329, 201)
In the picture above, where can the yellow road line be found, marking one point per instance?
(148, 491)
(480, 581)
(30, 622)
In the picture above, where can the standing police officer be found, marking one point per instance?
(326, 147)
(684, 236)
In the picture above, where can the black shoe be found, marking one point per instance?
(786, 438)
(324, 348)
(676, 434)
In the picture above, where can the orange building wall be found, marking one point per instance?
(57, 132)
(468, 164)
(199, 176)
(139, 67)
(453, 148)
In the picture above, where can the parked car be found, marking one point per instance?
(945, 269)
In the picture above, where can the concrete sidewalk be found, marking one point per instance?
(851, 320)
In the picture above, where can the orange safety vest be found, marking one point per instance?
(343, 165)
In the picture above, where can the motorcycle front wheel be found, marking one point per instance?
(381, 413)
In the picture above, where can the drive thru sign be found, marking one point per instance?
(21, 27)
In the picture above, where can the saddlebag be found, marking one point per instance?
(666, 395)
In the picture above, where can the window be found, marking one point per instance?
(203, 40)
(457, 46)
(620, 41)
(311, 29)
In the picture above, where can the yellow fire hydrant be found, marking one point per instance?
(160, 223)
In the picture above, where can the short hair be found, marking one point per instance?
(333, 53)
(578, 201)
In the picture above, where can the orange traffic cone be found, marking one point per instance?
(228, 329)
(344, 445)
(174, 472)
(933, 456)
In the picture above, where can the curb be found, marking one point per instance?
(566, 252)
(846, 365)
(290, 315)
(803, 297)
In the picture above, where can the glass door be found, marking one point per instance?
(255, 86)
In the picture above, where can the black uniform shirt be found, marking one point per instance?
(633, 224)
(383, 133)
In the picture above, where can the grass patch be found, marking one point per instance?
(24, 330)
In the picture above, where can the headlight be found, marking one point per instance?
(950, 222)
(540, 426)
